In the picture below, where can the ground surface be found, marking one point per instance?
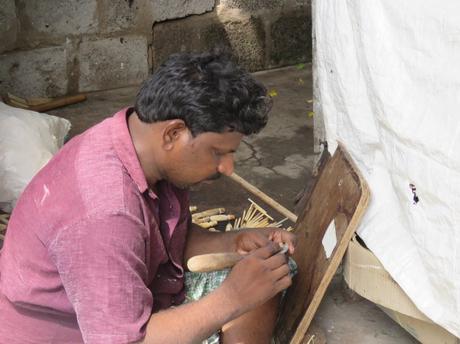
(278, 161)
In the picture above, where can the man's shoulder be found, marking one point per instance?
(87, 175)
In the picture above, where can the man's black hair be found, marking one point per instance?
(208, 91)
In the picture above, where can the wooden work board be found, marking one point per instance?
(338, 194)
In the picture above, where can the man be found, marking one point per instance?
(95, 246)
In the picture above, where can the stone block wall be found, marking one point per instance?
(52, 48)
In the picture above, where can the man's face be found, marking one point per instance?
(203, 157)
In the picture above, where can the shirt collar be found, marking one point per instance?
(124, 148)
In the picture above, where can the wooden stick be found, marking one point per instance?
(270, 201)
(201, 220)
(263, 224)
(215, 211)
(4, 218)
(279, 223)
(208, 224)
(58, 102)
(243, 217)
(256, 220)
(49, 105)
(251, 212)
(220, 218)
(262, 210)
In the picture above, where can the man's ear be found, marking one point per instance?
(172, 132)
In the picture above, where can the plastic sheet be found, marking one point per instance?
(387, 84)
(28, 140)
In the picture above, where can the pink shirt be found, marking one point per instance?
(90, 251)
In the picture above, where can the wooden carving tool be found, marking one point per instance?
(218, 261)
(213, 261)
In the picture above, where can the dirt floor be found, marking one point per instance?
(279, 161)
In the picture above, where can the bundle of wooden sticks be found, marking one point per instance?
(253, 217)
(3, 224)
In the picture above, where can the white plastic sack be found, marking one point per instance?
(28, 140)
(387, 77)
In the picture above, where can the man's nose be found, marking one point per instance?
(226, 165)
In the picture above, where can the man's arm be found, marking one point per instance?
(253, 281)
(202, 241)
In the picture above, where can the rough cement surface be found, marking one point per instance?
(254, 5)
(49, 21)
(8, 25)
(358, 321)
(119, 15)
(263, 159)
(173, 9)
(34, 73)
(112, 62)
(285, 143)
(244, 35)
(291, 38)
(246, 38)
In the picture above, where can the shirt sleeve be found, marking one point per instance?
(102, 264)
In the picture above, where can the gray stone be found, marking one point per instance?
(46, 21)
(35, 73)
(123, 15)
(291, 41)
(244, 35)
(8, 25)
(112, 62)
(173, 9)
(253, 5)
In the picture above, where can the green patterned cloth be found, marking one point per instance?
(200, 284)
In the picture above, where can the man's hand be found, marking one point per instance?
(252, 239)
(258, 277)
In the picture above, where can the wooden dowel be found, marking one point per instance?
(279, 223)
(259, 208)
(264, 197)
(208, 224)
(215, 211)
(220, 218)
(58, 102)
(256, 220)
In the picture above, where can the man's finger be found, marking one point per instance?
(281, 271)
(283, 237)
(261, 240)
(266, 251)
(283, 283)
(275, 261)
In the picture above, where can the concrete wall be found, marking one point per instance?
(52, 48)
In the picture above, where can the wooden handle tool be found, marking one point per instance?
(218, 261)
(213, 261)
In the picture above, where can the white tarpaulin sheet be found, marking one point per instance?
(387, 81)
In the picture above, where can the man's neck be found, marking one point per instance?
(141, 135)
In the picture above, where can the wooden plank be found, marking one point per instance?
(339, 194)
